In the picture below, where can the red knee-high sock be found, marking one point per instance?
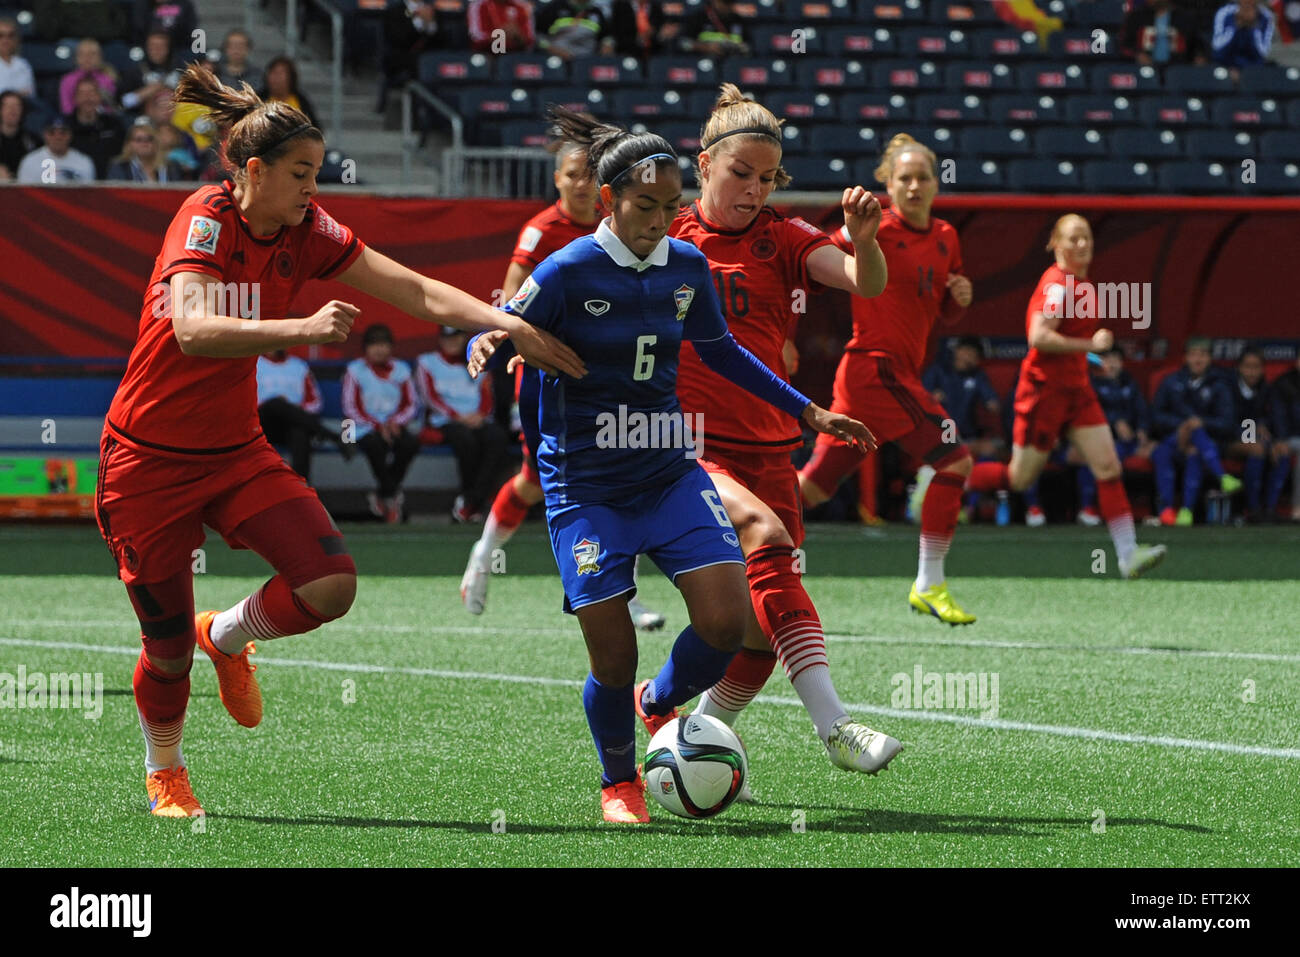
(508, 508)
(161, 699)
(274, 611)
(745, 677)
(938, 522)
(1115, 509)
(988, 477)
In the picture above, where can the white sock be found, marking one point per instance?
(162, 744)
(709, 705)
(929, 568)
(1124, 536)
(226, 633)
(494, 536)
(814, 688)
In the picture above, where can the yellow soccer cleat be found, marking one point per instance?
(170, 795)
(936, 601)
(240, 692)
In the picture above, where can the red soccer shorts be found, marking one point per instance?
(1044, 412)
(771, 476)
(151, 509)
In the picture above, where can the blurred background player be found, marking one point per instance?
(1286, 421)
(1255, 415)
(1130, 425)
(288, 406)
(458, 412)
(963, 388)
(879, 377)
(182, 446)
(379, 398)
(1191, 414)
(607, 503)
(573, 215)
(759, 262)
(1055, 397)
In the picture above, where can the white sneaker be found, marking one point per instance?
(916, 500)
(1145, 558)
(855, 747)
(474, 583)
(643, 617)
(1089, 517)
(1035, 518)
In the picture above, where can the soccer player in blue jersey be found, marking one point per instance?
(618, 460)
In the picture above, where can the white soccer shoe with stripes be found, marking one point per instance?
(474, 583)
(643, 617)
(855, 747)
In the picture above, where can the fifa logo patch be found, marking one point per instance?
(203, 234)
(585, 554)
(683, 296)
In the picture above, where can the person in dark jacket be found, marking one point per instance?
(1130, 423)
(1162, 32)
(1255, 415)
(1286, 426)
(1191, 415)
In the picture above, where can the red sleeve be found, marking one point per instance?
(949, 311)
(353, 406)
(800, 238)
(330, 247)
(406, 410)
(199, 239)
(530, 36)
(485, 394)
(529, 246)
(429, 390)
(311, 401)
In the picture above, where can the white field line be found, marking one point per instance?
(998, 724)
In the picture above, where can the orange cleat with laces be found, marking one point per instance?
(624, 803)
(170, 794)
(240, 692)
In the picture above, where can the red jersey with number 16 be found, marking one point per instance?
(1052, 297)
(173, 404)
(761, 275)
(898, 321)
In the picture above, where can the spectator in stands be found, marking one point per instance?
(458, 412)
(236, 67)
(90, 63)
(967, 395)
(1130, 425)
(288, 405)
(638, 28)
(1254, 415)
(514, 18)
(56, 161)
(410, 28)
(157, 73)
(571, 29)
(1191, 415)
(715, 29)
(176, 18)
(95, 131)
(15, 141)
(379, 398)
(1243, 32)
(56, 19)
(15, 72)
(1159, 33)
(280, 85)
(1286, 427)
(142, 159)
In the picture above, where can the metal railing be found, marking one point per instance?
(411, 139)
(336, 51)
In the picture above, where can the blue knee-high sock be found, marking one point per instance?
(1030, 495)
(1254, 475)
(1192, 474)
(1277, 479)
(692, 668)
(1209, 452)
(1162, 460)
(1087, 488)
(613, 727)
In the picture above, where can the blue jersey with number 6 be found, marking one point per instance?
(626, 318)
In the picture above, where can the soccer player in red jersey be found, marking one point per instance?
(763, 265)
(1055, 396)
(182, 446)
(880, 374)
(573, 215)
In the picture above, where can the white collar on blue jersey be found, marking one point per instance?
(624, 256)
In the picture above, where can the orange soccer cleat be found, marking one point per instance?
(239, 689)
(653, 722)
(170, 794)
(624, 803)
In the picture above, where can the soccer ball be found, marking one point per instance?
(695, 766)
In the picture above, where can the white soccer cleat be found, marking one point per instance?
(643, 617)
(855, 747)
(474, 583)
(1145, 558)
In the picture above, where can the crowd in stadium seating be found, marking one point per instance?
(1204, 427)
(108, 111)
